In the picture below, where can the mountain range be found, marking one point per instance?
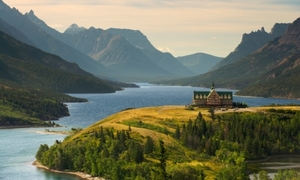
(199, 63)
(46, 42)
(251, 42)
(26, 66)
(271, 71)
(124, 52)
(259, 62)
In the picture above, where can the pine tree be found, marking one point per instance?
(148, 148)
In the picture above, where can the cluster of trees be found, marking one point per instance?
(257, 135)
(114, 155)
(237, 137)
(21, 106)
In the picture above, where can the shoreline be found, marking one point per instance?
(24, 126)
(270, 157)
(78, 174)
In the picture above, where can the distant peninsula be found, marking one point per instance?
(25, 107)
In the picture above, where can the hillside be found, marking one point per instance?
(32, 107)
(46, 42)
(252, 42)
(25, 65)
(8, 29)
(282, 79)
(173, 142)
(199, 63)
(270, 71)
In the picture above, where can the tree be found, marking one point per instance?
(160, 171)
(289, 174)
(148, 148)
(177, 132)
(41, 151)
(262, 175)
(212, 113)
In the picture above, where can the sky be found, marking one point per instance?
(181, 27)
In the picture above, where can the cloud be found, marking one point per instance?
(55, 26)
(165, 49)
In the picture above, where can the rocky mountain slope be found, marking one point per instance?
(271, 71)
(118, 55)
(251, 42)
(164, 60)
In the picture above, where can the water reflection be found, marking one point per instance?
(274, 164)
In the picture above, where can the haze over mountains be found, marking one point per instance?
(199, 63)
(126, 64)
(271, 71)
(125, 52)
(127, 55)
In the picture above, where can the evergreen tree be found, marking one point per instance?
(149, 146)
(160, 171)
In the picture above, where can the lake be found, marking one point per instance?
(18, 146)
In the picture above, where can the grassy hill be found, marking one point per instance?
(172, 142)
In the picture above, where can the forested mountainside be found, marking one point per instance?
(29, 78)
(25, 65)
(199, 63)
(176, 143)
(276, 64)
(23, 107)
(252, 42)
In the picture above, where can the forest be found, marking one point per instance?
(225, 142)
(32, 107)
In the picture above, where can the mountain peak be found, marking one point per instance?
(74, 25)
(74, 29)
(31, 12)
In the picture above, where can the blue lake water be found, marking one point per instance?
(18, 146)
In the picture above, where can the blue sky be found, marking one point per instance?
(179, 27)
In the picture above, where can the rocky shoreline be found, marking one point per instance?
(79, 174)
